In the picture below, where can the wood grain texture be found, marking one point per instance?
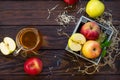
(49, 33)
(86, 77)
(36, 13)
(58, 63)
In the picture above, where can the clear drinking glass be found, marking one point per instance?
(28, 40)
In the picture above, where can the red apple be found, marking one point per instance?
(33, 66)
(70, 2)
(90, 30)
(91, 49)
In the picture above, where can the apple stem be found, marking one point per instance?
(91, 27)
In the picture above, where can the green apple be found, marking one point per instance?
(7, 46)
(95, 8)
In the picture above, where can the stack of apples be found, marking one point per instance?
(85, 40)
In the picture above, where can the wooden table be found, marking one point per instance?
(58, 64)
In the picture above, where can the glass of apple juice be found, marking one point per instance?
(28, 40)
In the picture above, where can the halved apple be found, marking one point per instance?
(79, 38)
(7, 46)
(75, 41)
(74, 45)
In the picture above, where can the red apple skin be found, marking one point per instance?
(70, 2)
(90, 30)
(91, 49)
(33, 66)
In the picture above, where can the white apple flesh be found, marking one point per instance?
(75, 41)
(7, 46)
(74, 45)
(4, 48)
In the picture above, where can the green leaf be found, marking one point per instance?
(106, 44)
(104, 52)
(103, 45)
(101, 37)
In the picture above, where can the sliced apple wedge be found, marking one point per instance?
(74, 46)
(4, 48)
(7, 46)
(79, 38)
(10, 43)
(75, 41)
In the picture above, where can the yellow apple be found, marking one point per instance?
(75, 41)
(91, 49)
(7, 46)
(95, 8)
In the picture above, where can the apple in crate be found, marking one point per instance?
(33, 66)
(91, 49)
(76, 41)
(7, 46)
(90, 30)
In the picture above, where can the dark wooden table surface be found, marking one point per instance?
(58, 65)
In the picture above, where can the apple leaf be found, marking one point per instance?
(106, 44)
(104, 52)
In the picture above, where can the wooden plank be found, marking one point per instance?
(49, 33)
(84, 77)
(18, 13)
(56, 62)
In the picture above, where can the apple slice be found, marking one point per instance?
(79, 38)
(75, 41)
(74, 45)
(7, 46)
(10, 43)
(4, 48)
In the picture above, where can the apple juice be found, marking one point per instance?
(30, 39)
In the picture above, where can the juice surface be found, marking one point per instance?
(29, 39)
